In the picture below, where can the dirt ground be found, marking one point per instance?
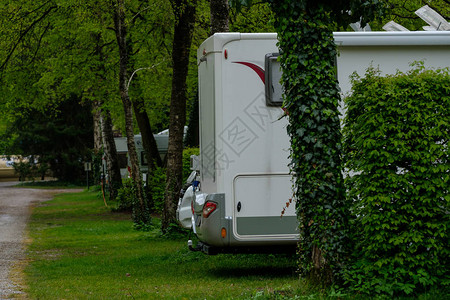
(15, 210)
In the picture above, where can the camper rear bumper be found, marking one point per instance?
(213, 230)
(216, 235)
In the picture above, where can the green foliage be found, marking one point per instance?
(255, 18)
(127, 201)
(157, 181)
(24, 169)
(28, 169)
(191, 139)
(60, 141)
(125, 196)
(69, 48)
(397, 134)
(175, 232)
(402, 12)
(187, 161)
(51, 184)
(156, 189)
(338, 10)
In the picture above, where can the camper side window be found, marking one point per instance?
(274, 89)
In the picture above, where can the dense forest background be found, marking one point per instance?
(54, 50)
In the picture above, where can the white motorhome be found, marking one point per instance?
(241, 182)
(162, 142)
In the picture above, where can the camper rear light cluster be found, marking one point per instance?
(208, 208)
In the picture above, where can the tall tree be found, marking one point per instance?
(143, 121)
(148, 140)
(308, 52)
(110, 152)
(219, 15)
(141, 215)
(103, 117)
(305, 35)
(184, 11)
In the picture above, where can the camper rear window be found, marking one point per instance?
(123, 160)
(274, 89)
(143, 159)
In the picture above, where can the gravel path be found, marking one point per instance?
(15, 209)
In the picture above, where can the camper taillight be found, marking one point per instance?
(208, 208)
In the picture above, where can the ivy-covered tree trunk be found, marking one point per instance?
(184, 11)
(311, 101)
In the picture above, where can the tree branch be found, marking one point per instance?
(139, 13)
(23, 34)
(39, 41)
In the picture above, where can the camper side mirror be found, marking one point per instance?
(195, 163)
(274, 89)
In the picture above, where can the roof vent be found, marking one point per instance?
(434, 19)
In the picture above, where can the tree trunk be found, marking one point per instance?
(141, 213)
(96, 115)
(184, 11)
(110, 152)
(219, 16)
(308, 53)
(105, 136)
(148, 140)
(219, 23)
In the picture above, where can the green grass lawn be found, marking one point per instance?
(81, 250)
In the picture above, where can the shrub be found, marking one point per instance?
(156, 189)
(187, 161)
(157, 181)
(396, 139)
(125, 196)
(25, 170)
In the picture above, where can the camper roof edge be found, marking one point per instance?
(216, 42)
(370, 38)
(388, 38)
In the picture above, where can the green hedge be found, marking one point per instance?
(187, 152)
(157, 182)
(396, 139)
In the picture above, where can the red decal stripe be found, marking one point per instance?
(255, 68)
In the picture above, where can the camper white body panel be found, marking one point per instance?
(244, 146)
